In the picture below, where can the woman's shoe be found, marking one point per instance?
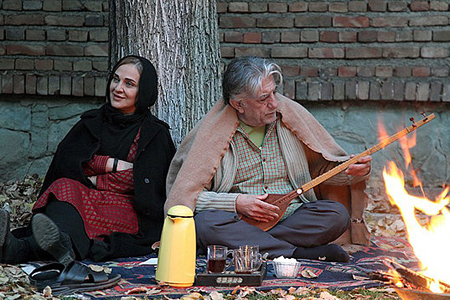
(50, 239)
(12, 249)
(4, 230)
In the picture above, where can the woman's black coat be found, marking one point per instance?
(154, 154)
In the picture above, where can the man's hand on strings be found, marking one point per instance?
(361, 167)
(253, 206)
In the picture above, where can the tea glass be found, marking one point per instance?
(216, 257)
(247, 259)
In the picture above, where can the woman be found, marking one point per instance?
(104, 192)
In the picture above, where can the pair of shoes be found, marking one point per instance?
(73, 278)
(12, 249)
(50, 239)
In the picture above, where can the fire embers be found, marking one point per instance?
(404, 277)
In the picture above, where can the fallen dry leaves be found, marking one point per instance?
(18, 198)
(245, 293)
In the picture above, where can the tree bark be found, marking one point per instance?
(180, 38)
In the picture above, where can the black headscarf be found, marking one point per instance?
(119, 130)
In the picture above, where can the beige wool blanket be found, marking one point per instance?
(200, 153)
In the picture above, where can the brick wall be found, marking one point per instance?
(329, 50)
(346, 50)
(53, 47)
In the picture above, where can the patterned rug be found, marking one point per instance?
(352, 275)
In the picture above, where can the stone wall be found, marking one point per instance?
(350, 63)
(30, 130)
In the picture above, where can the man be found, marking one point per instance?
(257, 142)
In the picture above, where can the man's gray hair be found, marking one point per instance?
(244, 75)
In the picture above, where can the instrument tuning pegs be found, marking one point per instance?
(413, 122)
(424, 116)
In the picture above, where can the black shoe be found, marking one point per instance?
(50, 239)
(4, 231)
(12, 249)
(329, 252)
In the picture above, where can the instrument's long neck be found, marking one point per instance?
(343, 166)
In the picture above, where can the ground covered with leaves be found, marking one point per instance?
(18, 198)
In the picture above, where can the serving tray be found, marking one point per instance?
(230, 278)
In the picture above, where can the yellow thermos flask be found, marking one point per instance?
(177, 250)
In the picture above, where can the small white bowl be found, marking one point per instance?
(286, 269)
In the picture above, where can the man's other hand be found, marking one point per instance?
(253, 206)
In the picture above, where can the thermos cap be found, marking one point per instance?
(180, 211)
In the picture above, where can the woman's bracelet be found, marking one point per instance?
(116, 161)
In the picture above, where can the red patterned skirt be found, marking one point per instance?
(103, 212)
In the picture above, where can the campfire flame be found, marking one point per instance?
(431, 241)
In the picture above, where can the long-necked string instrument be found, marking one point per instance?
(283, 201)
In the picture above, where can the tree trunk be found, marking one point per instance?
(180, 38)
